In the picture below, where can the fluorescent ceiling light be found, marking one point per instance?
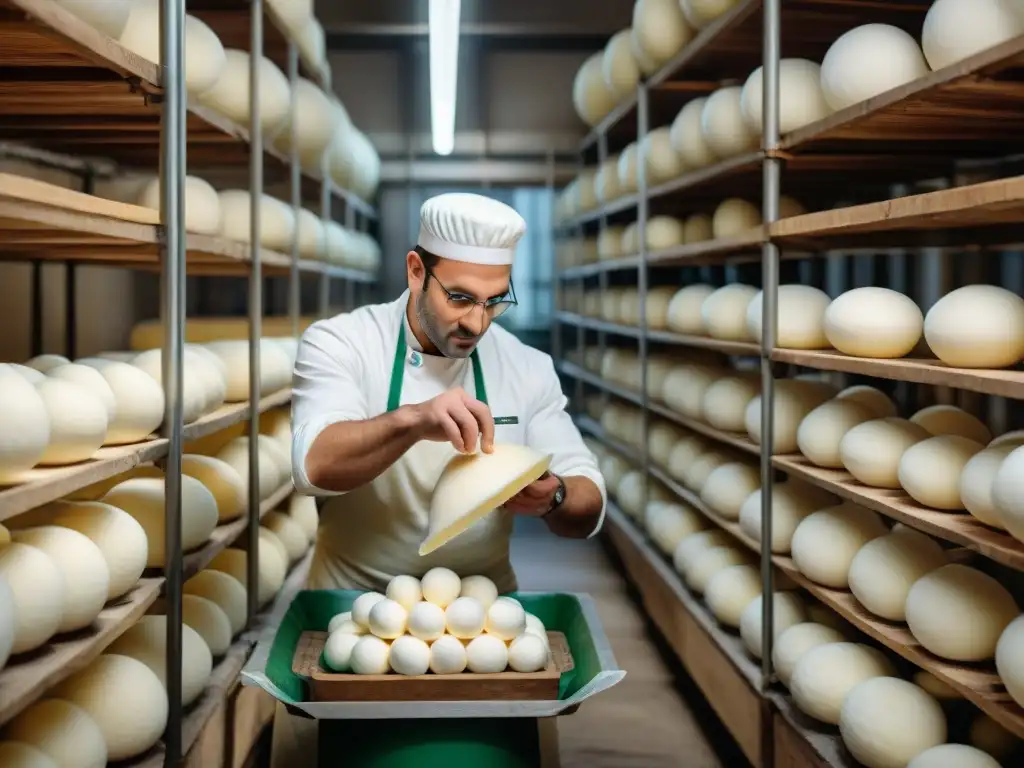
(444, 71)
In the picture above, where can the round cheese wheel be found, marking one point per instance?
(728, 486)
(873, 322)
(78, 422)
(801, 100)
(31, 375)
(486, 654)
(124, 698)
(204, 55)
(143, 498)
(700, 13)
(699, 571)
(793, 642)
(609, 243)
(586, 193)
(883, 571)
(790, 505)
(290, 534)
(24, 426)
(195, 397)
(220, 479)
(958, 613)
(826, 542)
(606, 181)
(788, 610)
(275, 367)
(14, 754)
(140, 401)
(591, 97)
(209, 620)
(90, 379)
(312, 235)
(83, 568)
(687, 450)
(822, 430)
(976, 326)
(202, 206)
(318, 120)
(957, 29)
(302, 509)
(38, 588)
(950, 420)
(236, 455)
(45, 363)
(960, 755)
(663, 232)
(63, 731)
(684, 311)
(628, 182)
(697, 228)
(684, 388)
(977, 480)
(696, 474)
(669, 523)
(730, 590)
(871, 451)
(930, 470)
(687, 136)
(793, 400)
(885, 722)
(109, 17)
(695, 544)
(867, 61)
(1010, 659)
(725, 131)
(733, 217)
(146, 641)
(661, 439)
(661, 161)
(659, 30)
(800, 321)
(725, 402)
(873, 398)
(272, 569)
(724, 312)
(225, 591)
(230, 95)
(277, 220)
(825, 675)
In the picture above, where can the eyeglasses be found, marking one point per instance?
(493, 307)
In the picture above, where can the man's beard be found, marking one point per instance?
(432, 328)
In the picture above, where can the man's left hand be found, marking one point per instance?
(536, 498)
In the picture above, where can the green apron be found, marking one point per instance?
(398, 374)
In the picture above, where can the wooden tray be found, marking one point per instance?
(467, 686)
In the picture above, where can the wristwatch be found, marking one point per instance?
(558, 498)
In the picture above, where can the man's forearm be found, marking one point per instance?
(580, 511)
(350, 454)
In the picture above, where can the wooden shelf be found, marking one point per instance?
(26, 678)
(581, 271)
(49, 484)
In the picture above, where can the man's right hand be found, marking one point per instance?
(455, 417)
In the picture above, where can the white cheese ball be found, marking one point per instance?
(976, 326)
(821, 431)
(696, 474)
(873, 322)
(140, 401)
(405, 590)
(506, 620)
(826, 542)
(706, 565)
(884, 570)
(109, 17)
(792, 643)
(224, 590)
(1010, 659)
(302, 509)
(873, 398)
(90, 379)
(684, 310)
(659, 30)
(528, 653)
(628, 183)
(1008, 493)
(441, 586)
(794, 399)
(370, 656)
(343, 624)
(146, 641)
(78, 422)
(725, 131)
(387, 619)
(202, 206)
(591, 97)
(45, 363)
(481, 588)
(826, 674)
(867, 61)
(486, 654)
(930, 470)
(788, 610)
(959, 755)
(63, 731)
(209, 620)
(124, 698)
(730, 591)
(694, 544)
(318, 121)
(872, 450)
(272, 568)
(668, 523)
(38, 589)
(801, 317)
(733, 217)
(661, 161)
(728, 486)
(409, 656)
(950, 420)
(230, 95)
(700, 13)
(662, 233)
(885, 722)
(81, 563)
(24, 426)
(222, 480)
(288, 533)
(14, 754)
(687, 137)
(338, 651)
(447, 656)
(606, 185)
(958, 613)
(801, 101)
(724, 312)
(465, 618)
(790, 505)
(536, 626)
(725, 402)
(957, 29)
(426, 621)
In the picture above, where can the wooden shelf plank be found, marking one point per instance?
(596, 268)
(25, 680)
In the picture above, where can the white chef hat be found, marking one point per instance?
(468, 227)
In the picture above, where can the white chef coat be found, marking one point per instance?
(343, 372)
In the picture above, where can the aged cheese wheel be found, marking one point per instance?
(704, 565)
(867, 61)
(140, 401)
(661, 161)
(957, 29)
(83, 568)
(38, 588)
(873, 322)
(272, 569)
(663, 232)
(290, 534)
(871, 451)
(669, 523)
(687, 137)
(883, 571)
(109, 16)
(976, 326)
(958, 613)
(697, 473)
(822, 430)
(684, 311)
(730, 590)
(733, 217)
(606, 181)
(202, 206)
(930, 470)
(825, 675)
(794, 399)
(24, 426)
(725, 402)
(697, 228)
(724, 312)
(195, 399)
(960, 755)
(220, 479)
(800, 321)
(236, 455)
(275, 367)
(78, 422)
(318, 120)
(728, 486)
(788, 611)
(90, 379)
(609, 243)
(661, 439)
(628, 180)
(143, 499)
(124, 698)
(692, 546)
(873, 398)
(63, 731)
(795, 641)
(1010, 659)
(885, 722)
(791, 503)
(801, 100)
(146, 641)
(209, 620)
(826, 542)
(682, 456)
(204, 55)
(225, 591)
(277, 221)
(950, 420)
(725, 131)
(684, 388)
(230, 95)
(659, 30)
(591, 97)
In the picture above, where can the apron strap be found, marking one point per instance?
(398, 375)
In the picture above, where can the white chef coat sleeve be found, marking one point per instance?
(550, 429)
(325, 390)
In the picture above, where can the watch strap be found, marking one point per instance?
(559, 498)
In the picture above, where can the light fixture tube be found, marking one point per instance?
(444, 71)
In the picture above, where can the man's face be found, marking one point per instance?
(442, 299)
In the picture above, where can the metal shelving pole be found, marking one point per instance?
(642, 127)
(173, 135)
(294, 284)
(602, 276)
(255, 309)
